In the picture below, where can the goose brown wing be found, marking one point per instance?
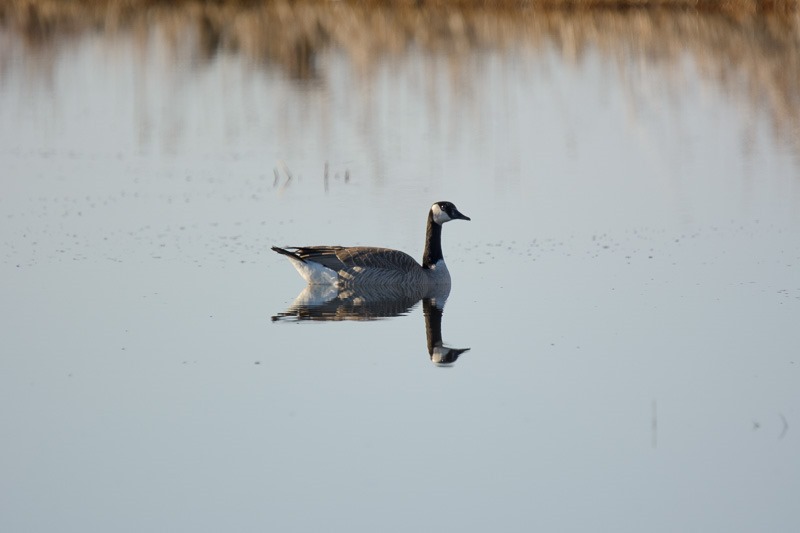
(378, 258)
(324, 255)
(344, 258)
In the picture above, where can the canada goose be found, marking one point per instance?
(361, 265)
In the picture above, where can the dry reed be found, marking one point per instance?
(754, 43)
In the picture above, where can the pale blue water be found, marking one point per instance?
(629, 288)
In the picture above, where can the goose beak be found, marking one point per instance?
(458, 215)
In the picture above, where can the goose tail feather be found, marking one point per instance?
(313, 272)
(284, 251)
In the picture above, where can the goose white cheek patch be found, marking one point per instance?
(439, 216)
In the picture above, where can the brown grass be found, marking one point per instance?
(748, 48)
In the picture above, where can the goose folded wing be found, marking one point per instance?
(324, 255)
(378, 259)
(344, 258)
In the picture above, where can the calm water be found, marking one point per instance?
(629, 285)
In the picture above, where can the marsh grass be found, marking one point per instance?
(749, 49)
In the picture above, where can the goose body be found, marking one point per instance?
(368, 266)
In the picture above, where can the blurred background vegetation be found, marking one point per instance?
(748, 47)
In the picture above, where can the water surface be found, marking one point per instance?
(629, 284)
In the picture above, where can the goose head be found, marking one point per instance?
(442, 212)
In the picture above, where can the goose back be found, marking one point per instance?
(365, 265)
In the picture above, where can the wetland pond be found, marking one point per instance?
(628, 287)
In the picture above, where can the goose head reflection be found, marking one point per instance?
(331, 303)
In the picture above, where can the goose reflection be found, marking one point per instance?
(331, 303)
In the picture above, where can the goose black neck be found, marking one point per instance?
(433, 243)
